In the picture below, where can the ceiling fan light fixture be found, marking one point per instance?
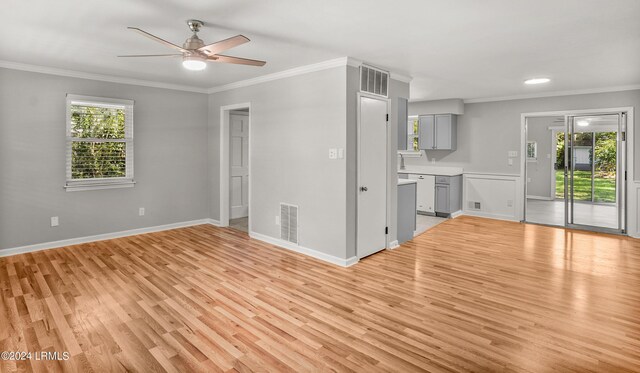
(194, 63)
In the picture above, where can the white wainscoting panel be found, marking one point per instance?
(498, 196)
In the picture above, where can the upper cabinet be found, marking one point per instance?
(438, 132)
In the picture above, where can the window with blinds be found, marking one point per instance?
(99, 143)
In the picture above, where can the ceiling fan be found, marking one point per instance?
(195, 54)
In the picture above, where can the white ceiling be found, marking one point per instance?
(452, 49)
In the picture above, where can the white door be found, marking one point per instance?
(372, 176)
(239, 180)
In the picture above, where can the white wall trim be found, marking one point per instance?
(518, 195)
(394, 244)
(100, 77)
(303, 250)
(301, 70)
(342, 61)
(554, 94)
(102, 237)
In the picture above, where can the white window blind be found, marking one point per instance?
(99, 143)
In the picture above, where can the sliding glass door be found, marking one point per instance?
(594, 176)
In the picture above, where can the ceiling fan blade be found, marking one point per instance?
(223, 45)
(152, 55)
(236, 60)
(159, 40)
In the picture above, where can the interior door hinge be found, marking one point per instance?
(624, 136)
(386, 230)
(387, 117)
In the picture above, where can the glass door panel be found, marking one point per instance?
(592, 180)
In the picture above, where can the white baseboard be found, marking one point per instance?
(456, 214)
(541, 198)
(303, 250)
(481, 214)
(101, 237)
(213, 222)
(393, 245)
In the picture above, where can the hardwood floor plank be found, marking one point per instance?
(471, 294)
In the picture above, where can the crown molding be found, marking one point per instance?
(554, 94)
(337, 62)
(301, 70)
(100, 77)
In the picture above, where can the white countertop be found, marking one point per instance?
(432, 170)
(406, 181)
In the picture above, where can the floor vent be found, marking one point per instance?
(289, 223)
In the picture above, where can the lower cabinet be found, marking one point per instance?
(426, 192)
(406, 211)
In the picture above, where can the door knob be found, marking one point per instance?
(363, 189)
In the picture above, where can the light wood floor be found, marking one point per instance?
(468, 295)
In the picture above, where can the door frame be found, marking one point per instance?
(225, 157)
(630, 200)
(359, 96)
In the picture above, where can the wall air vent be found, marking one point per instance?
(289, 223)
(374, 81)
(474, 205)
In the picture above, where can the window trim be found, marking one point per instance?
(73, 185)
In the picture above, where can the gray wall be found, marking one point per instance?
(487, 131)
(294, 122)
(170, 129)
(539, 170)
(396, 89)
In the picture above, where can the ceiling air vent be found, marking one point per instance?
(289, 223)
(374, 81)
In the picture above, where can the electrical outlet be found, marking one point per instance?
(509, 203)
(141, 211)
(277, 220)
(54, 221)
(333, 153)
(340, 153)
(510, 162)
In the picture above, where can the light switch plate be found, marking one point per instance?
(510, 162)
(54, 221)
(340, 153)
(513, 153)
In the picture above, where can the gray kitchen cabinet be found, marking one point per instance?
(406, 211)
(438, 132)
(403, 118)
(448, 198)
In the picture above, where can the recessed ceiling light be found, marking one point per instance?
(582, 123)
(537, 81)
(194, 62)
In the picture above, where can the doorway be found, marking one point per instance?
(583, 157)
(235, 161)
(372, 157)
